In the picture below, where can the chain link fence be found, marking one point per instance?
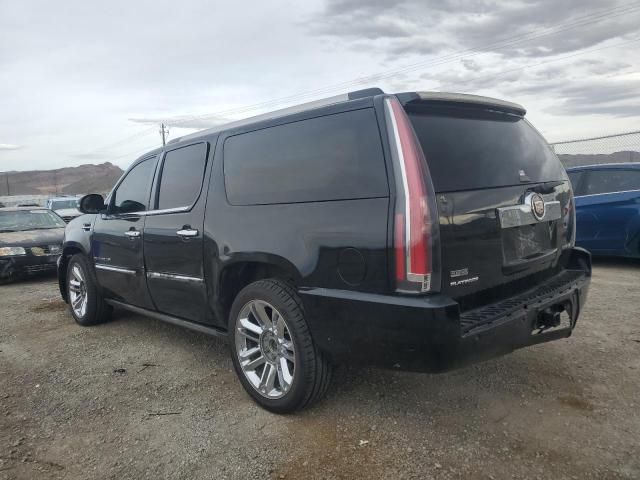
(618, 148)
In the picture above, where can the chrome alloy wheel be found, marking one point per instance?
(78, 291)
(265, 349)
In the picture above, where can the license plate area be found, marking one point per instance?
(527, 242)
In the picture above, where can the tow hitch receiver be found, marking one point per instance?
(554, 317)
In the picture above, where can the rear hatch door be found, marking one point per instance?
(490, 168)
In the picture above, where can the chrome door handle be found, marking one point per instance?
(187, 233)
(132, 233)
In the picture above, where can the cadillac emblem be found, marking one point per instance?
(537, 206)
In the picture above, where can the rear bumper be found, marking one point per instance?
(26, 265)
(430, 333)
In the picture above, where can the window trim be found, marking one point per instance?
(157, 184)
(607, 193)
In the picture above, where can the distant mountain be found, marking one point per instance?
(100, 178)
(69, 180)
(593, 159)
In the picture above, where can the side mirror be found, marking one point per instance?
(92, 203)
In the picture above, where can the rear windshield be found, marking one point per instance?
(471, 148)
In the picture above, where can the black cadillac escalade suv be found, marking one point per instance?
(419, 231)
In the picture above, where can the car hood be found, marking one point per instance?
(68, 212)
(28, 238)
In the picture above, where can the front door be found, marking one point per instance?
(173, 237)
(117, 239)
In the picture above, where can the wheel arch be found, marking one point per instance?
(69, 250)
(246, 269)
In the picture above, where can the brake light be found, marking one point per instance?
(569, 220)
(416, 231)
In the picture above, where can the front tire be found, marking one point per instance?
(85, 301)
(273, 353)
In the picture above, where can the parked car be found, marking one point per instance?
(319, 234)
(65, 207)
(608, 208)
(30, 241)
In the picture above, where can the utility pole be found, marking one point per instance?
(6, 176)
(164, 131)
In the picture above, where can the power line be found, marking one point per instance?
(580, 21)
(122, 141)
(557, 59)
(493, 75)
(560, 27)
(134, 154)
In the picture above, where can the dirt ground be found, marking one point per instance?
(136, 398)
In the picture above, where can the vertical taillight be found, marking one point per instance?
(569, 220)
(416, 231)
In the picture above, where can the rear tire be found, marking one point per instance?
(273, 353)
(85, 301)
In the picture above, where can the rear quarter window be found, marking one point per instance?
(334, 157)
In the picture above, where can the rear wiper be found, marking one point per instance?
(8, 231)
(547, 187)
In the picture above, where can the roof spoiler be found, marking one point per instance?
(461, 98)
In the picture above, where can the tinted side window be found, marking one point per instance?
(132, 195)
(608, 181)
(335, 157)
(182, 173)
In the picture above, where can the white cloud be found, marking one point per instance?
(9, 146)
(188, 122)
(85, 81)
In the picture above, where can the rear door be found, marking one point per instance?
(607, 212)
(173, 238)
(116, 243)
(488, 167)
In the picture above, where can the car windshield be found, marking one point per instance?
(60, 204)
(21, 220)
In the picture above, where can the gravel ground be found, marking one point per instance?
(136, 398)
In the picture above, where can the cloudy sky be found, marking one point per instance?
(88, 82)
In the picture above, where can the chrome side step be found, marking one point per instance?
(198, 327)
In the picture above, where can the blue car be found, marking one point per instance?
(608, 208)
